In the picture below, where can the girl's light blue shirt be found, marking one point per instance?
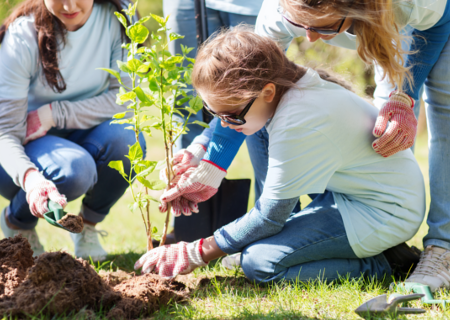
(320, 139)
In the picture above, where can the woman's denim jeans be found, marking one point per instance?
(437, 105)
(77, 162)
(312, 245)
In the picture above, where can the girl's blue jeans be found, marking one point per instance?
(77, 162)
(437, 107)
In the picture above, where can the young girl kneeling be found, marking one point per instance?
(319, 144)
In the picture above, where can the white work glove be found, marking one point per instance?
(197, 184)
(185, 159)
(39, 190)
(39, 122)
(174, 259)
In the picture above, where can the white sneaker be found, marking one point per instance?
(88, 245)
(30, 235)
(232, 261)
(433, 268)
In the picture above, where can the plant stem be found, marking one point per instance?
(149, 225)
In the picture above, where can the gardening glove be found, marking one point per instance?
(402, 130)
(39, 122)
(194, 186)
(39, 190)
(185, 159)
(173, 259)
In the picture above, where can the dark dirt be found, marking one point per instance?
(72, 222)
(142, 295)
(55, 283)
(16, 257)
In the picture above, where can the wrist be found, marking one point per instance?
(194, 250)
(46, 116)
(210, 174)
(402, 97)
(197, 149)
(31, 178)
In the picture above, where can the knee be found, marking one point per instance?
(257, 265)
(76, 176)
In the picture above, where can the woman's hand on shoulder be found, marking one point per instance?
(401, 132)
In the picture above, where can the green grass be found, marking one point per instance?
(231, 296)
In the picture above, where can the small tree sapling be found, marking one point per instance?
(159, 80)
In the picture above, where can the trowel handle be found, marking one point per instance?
(57, 209)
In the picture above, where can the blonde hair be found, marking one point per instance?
(235, 65)
(375, 28)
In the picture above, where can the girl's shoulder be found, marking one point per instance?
(23, 27)
(21, 36)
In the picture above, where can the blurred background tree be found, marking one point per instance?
(343, 62)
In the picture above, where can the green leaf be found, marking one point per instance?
(182, 101)
(157, 237)
(161, 164)
(148, 197)
(159, 19)
(153, 84)
(117, 165)
(189, 109)
(135, 152)
(196, 103)
(141, 95)
(119, 115)
(127, 96)
(174, 36)
(133, 65)
(143, 20)
(154, 230)
(121, 18)
(144, 167)
(201, 123)
(123, 66)
(113, 72)
(143, 68)
(175, 59)
(122, 121)
(138, 33)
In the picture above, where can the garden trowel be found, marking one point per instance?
(55, 214)
(382, 307)
(407, 287)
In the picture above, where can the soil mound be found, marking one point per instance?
(16, 257)
(57, 284)
(142, 295)
(72, 222)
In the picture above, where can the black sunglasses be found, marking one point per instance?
(234, 119)
(323, 31)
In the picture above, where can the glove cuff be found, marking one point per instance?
(210, 174)
(194, 251)
(32, 178)
(46, 116)
(198, 150)
(402, 97)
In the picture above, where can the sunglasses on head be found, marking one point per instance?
(323, 31)
(234, 119)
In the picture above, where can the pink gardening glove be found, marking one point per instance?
(185, 159)
(403, 125)
(174, 259)
(39, 122)
(194, 186)
(39, 190)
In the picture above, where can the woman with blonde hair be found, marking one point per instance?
(408, 43)
(319, 144)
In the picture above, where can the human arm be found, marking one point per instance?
(198, 184)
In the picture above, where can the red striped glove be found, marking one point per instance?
(39, 122)
(174, 259)
(39, 190)
(402, 130)
(194, 186)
